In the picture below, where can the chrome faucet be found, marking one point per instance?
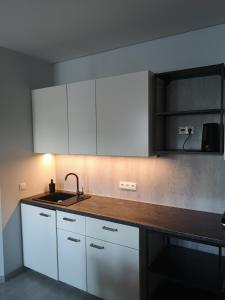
(78, 193)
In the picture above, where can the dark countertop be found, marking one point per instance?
(196, 225)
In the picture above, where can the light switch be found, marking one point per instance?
(22, 186)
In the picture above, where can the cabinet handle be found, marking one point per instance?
(69, 220)
(73, 240)
(96, 246)
(109, 229)
(45, 215)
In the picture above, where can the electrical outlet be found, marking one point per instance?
(185, 129)
(126, 185)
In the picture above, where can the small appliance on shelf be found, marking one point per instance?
(210, 137)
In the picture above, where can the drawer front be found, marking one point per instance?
(71, 222)
(113, 232)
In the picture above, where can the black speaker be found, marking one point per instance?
(211, 137)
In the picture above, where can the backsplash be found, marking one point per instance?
(194, 182)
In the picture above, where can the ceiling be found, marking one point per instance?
(58, 30)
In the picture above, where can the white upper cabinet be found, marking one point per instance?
(123, 115)
(107, 116)
(50, 124)
(82, 117)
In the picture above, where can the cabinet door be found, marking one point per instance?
(123, 115)
(72, 259)
(39, 239)
(50, 123)
(82, 117)
(112, 270)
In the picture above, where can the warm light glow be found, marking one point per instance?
(47, 158)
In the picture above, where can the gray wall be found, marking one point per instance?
(197, 48)
(195, 182)
(18, 75)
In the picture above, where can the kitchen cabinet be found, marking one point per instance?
(112, 270)
(112, 260)
(107, 116)
(39, 239)
(71, 249)
(72, 258)
(98, 256)
(50, 124)
(82, 117)
(123, 114)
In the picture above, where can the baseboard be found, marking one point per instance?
(14, 273)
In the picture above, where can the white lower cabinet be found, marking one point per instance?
(97, 256)
(39, 239)
(112, 270)
(72, 259)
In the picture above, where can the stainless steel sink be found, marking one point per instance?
(61, 198)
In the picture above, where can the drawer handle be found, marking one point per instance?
(109, 229)
(69, 220)
(45, 215)
(96, 246)
(73, 240)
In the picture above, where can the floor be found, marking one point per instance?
(30, 285)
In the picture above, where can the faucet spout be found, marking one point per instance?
(77, 179)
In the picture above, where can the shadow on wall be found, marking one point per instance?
(1, 244)
(12, 236)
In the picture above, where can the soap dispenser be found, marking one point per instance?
(51, 187)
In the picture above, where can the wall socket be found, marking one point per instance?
(185, 129)
(129, 186)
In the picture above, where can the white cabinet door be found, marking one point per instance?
(112, 270)
(82, 117)
(123, 115)
(50, 123)
(72, 259)
(39, 239)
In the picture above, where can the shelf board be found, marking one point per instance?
(169, 290)
(186, 266)
(180, 151)
(191, 73)
(190, 112)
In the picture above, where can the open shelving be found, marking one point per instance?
(181, 267)
(164, 114)
(168, 290)
(190, 268)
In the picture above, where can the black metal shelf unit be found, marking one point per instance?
(172, 268)
(184, 266)
(162, 115)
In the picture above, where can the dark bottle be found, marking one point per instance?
(51, 187)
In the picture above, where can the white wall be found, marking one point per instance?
(195, 182)
(197, 48)
(18, 75)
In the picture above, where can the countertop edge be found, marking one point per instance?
(141, 225)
